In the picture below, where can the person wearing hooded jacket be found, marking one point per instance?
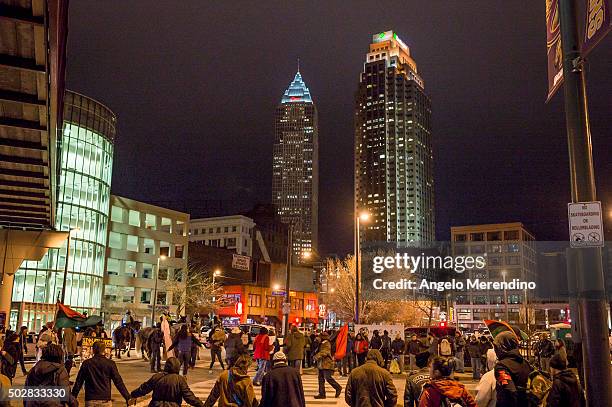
(416, 379)
(326, 366)
(371, 385)
(168, 387)
(49, 371)
(9, 355)
(233, 346)
(511, 371)
(234, 386)
(441, 387)
(566, 390)
(282, 386)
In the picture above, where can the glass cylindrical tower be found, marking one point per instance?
(86, 161)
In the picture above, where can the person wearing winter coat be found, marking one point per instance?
(282, 386)
(442, 387)
(70, 347)
(545, 350)
(486, 395)
(49, 371)
(397, 351)
(169, 388)
(325, 364)
(371, 384)
(234, 387)
(261, 353)
(46, 336)
(233, 346)
(473, 348)
(361, 347)
(376, 341)
(294, 348)
(416, 379)
(566, 390)
(459, 344)
(511, 371)
(413, 348)
(9, 355)
(183, 342)
(154, 343)
(385, 348)
(560, 348)
(217, 340)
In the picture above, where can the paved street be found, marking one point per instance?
(135, 371)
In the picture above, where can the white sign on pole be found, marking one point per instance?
(585, 224)
(286, 308)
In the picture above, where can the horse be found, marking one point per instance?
(123, 339)
(143, 336)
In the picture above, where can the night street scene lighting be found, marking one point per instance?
(341, 192)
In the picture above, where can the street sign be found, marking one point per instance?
(286, 308)
(585, 224)
(278, 293)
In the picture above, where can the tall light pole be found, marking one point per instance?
(361, 217)
(216, 273)
(154, 299)
(63, 297)
(588, 262)
(288, 281)
(505, 296)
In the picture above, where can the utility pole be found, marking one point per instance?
(288, 281)
(591, 293)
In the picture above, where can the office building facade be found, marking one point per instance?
(295, 172)
(141, 236)
(86, 162)
(393, 149)
(234, 232)
(509, 249)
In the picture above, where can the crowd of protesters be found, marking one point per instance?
(369, 361)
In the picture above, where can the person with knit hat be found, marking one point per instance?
(282, 386)
(511, 371)
(566, 390)
(371, 384)
(326, 365)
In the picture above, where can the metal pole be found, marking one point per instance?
(357, 271)
(591, 293)
(288, 281)
(154, 299)
(213, 297)
(506, 298)
(66, 267)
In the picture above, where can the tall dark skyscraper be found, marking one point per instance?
(295, 173)
(393, 154)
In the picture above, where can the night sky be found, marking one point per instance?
(195, 83)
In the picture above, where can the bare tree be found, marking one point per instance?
(193, 290)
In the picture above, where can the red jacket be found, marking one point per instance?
(262, 347)
(451, 389)
(361, 346)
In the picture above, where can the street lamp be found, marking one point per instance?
(505, 296)
(63, 298)
(154, 299)
(362, 217)
(216, 273)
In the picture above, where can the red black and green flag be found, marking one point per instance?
(66, 317)
(497, 327)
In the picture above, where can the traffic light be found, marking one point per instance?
(238, 308)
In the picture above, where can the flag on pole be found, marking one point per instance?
(66, 317)
(341, 340)
(497, 327)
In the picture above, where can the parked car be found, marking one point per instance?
(253, 330)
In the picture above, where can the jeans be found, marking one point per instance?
(216, 354)
(326, 375)
(262, 367)
(475, 368)
(297, 364)
(460, 361)
(155, 357)
(412, 362)
(184, 357)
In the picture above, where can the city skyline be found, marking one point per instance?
(500, 151)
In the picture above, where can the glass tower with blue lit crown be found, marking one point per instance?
(295, 172)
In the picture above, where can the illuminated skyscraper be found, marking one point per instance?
(295, 172)
(393, 153)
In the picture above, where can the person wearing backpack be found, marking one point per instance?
(442, 390)
(169, 388)
(511, 371)
(234, 386)
(445, 349)
(49, 371)
(566, 390)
